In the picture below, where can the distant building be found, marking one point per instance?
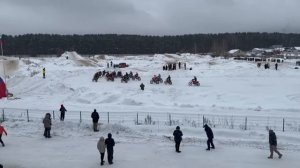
(236, 52)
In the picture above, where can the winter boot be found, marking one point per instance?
(280, 156)
(270, 157)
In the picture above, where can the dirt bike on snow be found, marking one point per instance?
(156, 80)
(168, 82)
(194, 83)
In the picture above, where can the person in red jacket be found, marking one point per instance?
(2, 130)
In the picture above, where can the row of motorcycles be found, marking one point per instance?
(156, 79)
(110, 76)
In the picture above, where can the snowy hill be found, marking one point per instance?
(224, 83)
(227, 87)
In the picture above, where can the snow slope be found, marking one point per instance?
(228, 87)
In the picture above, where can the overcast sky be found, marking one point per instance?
(148, 17)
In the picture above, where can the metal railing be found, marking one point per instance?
(251, 122)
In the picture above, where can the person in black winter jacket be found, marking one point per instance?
(62, 112)
(177, 138)
(95, 117)
(273, 144)
(110, 143)
(142, 86)
(210, 136)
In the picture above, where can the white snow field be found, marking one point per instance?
(240, 102)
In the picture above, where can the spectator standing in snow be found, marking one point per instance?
(44, 73)
(111, 63)
(62, 112)
(273, 144)
(101, 147)
(95, 117)
(142, 86)
(184, 66)
(276, 66)
(47, 125)
(177, 138)
(210, 136)
(110, 143)
(2, 130)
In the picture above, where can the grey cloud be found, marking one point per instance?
(154, 17)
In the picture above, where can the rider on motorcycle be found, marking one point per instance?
(195, 79)
(169, 78)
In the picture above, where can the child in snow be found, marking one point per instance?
(2, 130)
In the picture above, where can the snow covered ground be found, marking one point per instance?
(228, 87)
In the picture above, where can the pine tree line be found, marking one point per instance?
(50, 44)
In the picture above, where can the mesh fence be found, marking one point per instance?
(162, 118)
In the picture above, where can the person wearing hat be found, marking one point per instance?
(210, 136)
(177, 138)
(273, 144)
(110, 143)
(95, 117)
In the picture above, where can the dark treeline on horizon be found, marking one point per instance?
(53, 44)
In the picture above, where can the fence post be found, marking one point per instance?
(283, 124)
(137, 118)
(203, 121)
(80, 119)
(53, 115)
(27, 116)
(108, 117)
(2, 115)
(246, 123)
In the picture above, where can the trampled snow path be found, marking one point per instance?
(76, 148)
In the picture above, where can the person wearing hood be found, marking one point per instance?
(95, 117)
(177, 138)
(47, 125)
(210, 136)
(101, 147)
(62, 112)
(273, 144)
(142, 86)
(110, 143)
